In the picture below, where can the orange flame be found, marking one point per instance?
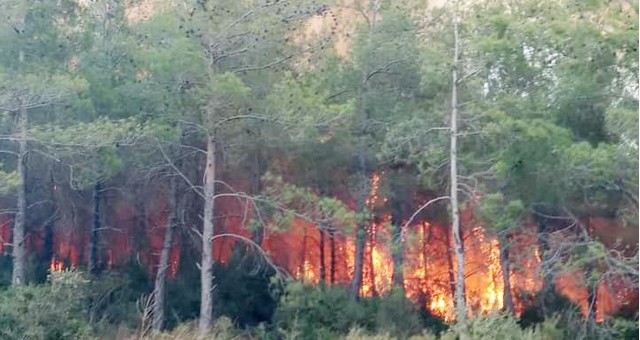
(56, 265)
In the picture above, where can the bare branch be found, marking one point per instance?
(422, 207)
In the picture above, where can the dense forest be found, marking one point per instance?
(299, 169)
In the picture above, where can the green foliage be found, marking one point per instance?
(286, 200)
(548, 116)
(90, 148)
(112, 299)
(242, 289)
(312, 312)
(46, 312)
(499, 214)
(360, 334)
(301, 104)
(398, 316)
(6, 267)
(228, 87)
(183, 294)
(625, 328)
(501, 326)
(222, 329)
(9, 181)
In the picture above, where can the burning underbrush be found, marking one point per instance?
(314, 255)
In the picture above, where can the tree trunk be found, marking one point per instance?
(452, 273)
(140, 222)
(397, 244)
(206, 265)
(372, 269)
(165, 256)
(506, 278)
(332, 261)
(303, 254)
(19, 260)
(453, 160)
(356, 280)
(323, 269)
(585, 233)
(545, 296)
(92, 263)
(361, 234)
(47, 242)
(592, 290)
(257, 235)
(426, 239)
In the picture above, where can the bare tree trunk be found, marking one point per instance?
(506, 278)
(332, 245)
(545, 296)
(356, 280)
(206, 265)
(256, 185)
(425, 262)
(140, 221)
(323, 269)
(397, 244)
(92, 265)
(452, 273)
(19, 260)
(592, 296)
(303, 254)
(372, 269)
(585, 233)
(453, 160)
(47, 242)
(426, 239)
(361, 234)
(163, 265)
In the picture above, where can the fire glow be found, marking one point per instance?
(428, 270)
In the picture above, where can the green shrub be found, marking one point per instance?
(242, 289)
(183, 294)
(222, 329)
(50, 311)
(360, 334)
(625, 328)
(503, 326)
(314, 312)
(321, 313)
(6, 268)
(575, 326)
(398, 316)
(112, 297)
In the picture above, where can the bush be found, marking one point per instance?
(503, 326)
(360, 334)
(316, 312)
(112, 298)
(398, 316)
(6, 268)
(575, 326)
(242, 289)
(49, 311)
(222, 329)
(183, 294)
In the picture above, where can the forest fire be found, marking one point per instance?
(56, 265)
(428, 270)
